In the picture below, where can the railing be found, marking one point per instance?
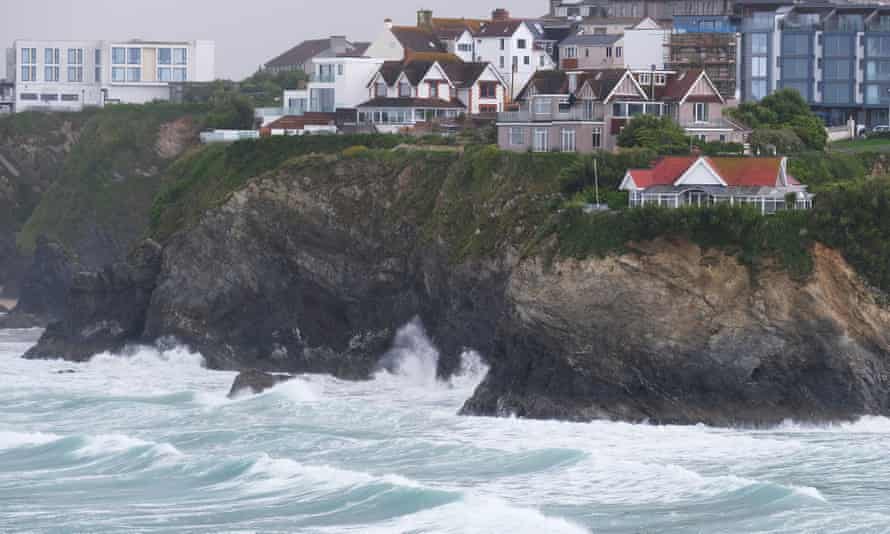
(322, 78)
(575, 114)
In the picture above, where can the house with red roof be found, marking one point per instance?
(678, 181)
(585, 110)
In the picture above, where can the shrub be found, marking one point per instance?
(660, 134)
(767, 141)
(355, 151)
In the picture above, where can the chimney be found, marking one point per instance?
(500, 14)
(387, 23)
(338, 44)
(425, 19)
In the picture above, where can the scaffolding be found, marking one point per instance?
(714, 52)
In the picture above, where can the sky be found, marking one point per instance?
(247, 32)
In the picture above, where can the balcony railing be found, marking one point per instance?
(322, 78)
(575, 114)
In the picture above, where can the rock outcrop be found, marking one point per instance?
(106, 309)
(313, 268)
(256, 382)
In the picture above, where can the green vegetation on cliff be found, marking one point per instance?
(100, 203)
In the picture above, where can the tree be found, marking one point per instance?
(610, 168)
(660, 134)
(231, 112)
(768, 141)
(783, 110)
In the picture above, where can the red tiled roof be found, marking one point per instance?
(298, 122)
(738, 171)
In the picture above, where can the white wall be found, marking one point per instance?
(489, 49)
(386, 47)
(351, 87)
(476, 101)
(204, 66)
(644, 48)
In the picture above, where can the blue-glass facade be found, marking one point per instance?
(704, 24)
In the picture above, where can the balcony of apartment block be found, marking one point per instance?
(573, 115)
(757, 25)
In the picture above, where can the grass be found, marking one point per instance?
(861, 145)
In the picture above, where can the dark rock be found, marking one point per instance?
(45, 286)
(107, 309)
(66, 372)
(15, 319)
(256, 382)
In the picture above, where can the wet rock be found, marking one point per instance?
(255, 382)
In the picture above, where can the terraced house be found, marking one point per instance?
(582, 111)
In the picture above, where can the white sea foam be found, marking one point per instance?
(108, 444)
(864, 425)
(12, 440)
(413, 357)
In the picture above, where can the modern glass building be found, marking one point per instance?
(837, 56)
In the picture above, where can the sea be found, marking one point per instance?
(146, 441)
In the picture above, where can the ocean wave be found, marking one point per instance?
(14, 440)
(145, 356)
(114, 444)
(869, 424)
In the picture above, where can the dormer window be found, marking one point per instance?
(404, 89)
(659, 79)
(380, 89)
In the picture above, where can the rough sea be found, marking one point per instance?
(148, 442)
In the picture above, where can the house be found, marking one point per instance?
(516, 47)
(69, 75)
(405, 93)
(455, 33)
(581, 111)
(591, 51)
(299, 58)
(678, 181)
(308, 123)
(7, 96)
(398, 43)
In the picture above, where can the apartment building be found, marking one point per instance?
(582, 111)
(68, 75)
(658, 10)
(709, 42)
(837, 56)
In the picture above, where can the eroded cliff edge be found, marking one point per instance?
(313, 266)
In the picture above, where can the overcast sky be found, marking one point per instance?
(247, 32)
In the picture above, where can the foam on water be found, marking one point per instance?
(147, 441)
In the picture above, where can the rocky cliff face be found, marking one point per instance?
(313, 267)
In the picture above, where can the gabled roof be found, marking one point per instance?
(556, 82)
(415, 39)
(591, 39)
(416, 70)
(301, 53)
(453, 28)
(402, 102)
(358, 50)
(733, 171)
(499, 28)
(546, 82)
(464, 75)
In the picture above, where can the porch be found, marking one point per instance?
(767, 200)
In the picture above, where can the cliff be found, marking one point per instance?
(313, 265)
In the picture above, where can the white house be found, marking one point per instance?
(516, 47)
(68, 75)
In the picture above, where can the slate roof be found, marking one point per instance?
(452, 28)
(591, 40)
(301, 53)
(464, 75)
(554, 82)
(418, 39)
(391, 102)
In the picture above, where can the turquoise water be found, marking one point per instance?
(147, 442)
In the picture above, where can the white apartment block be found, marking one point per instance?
(69, 75)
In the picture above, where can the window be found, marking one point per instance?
(380, 89)
(527, 60)
(701, 112)
(75, 64)
(542, 105)
(464, 47)
(434, 89)
(837, 45)
(877, 46)
(795, 44)
(28, 96)
(837, 69)
(98, 61)
(515, 62)
(877, 70)
(645, 78)
(570, 51)
(517, 136)
(836, 93)
(29, 65)
(49, 97)
(758, 43)
(321, 100)
(134, 74)
(134, 56)
(758, 67)
(521, 44)
(180, 75)
(70, 98)
(165, 56)
(118, 74)
(634, 110)
(617, 51)
(619, 110)
(608, 51)
(165, 74)
(51, 61)
(404, 89)
(567, 140)
(660, 79)
(339, 69)
(488, 108)
(503, 44)
(722, 138)
(758, 89)
(597, 137)
(118, 56)
(543, 61)
(488, 90)
(501, 62)
(795, 68)
(180, 56)
(541, 140)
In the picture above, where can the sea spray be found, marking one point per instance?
(413, 357)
